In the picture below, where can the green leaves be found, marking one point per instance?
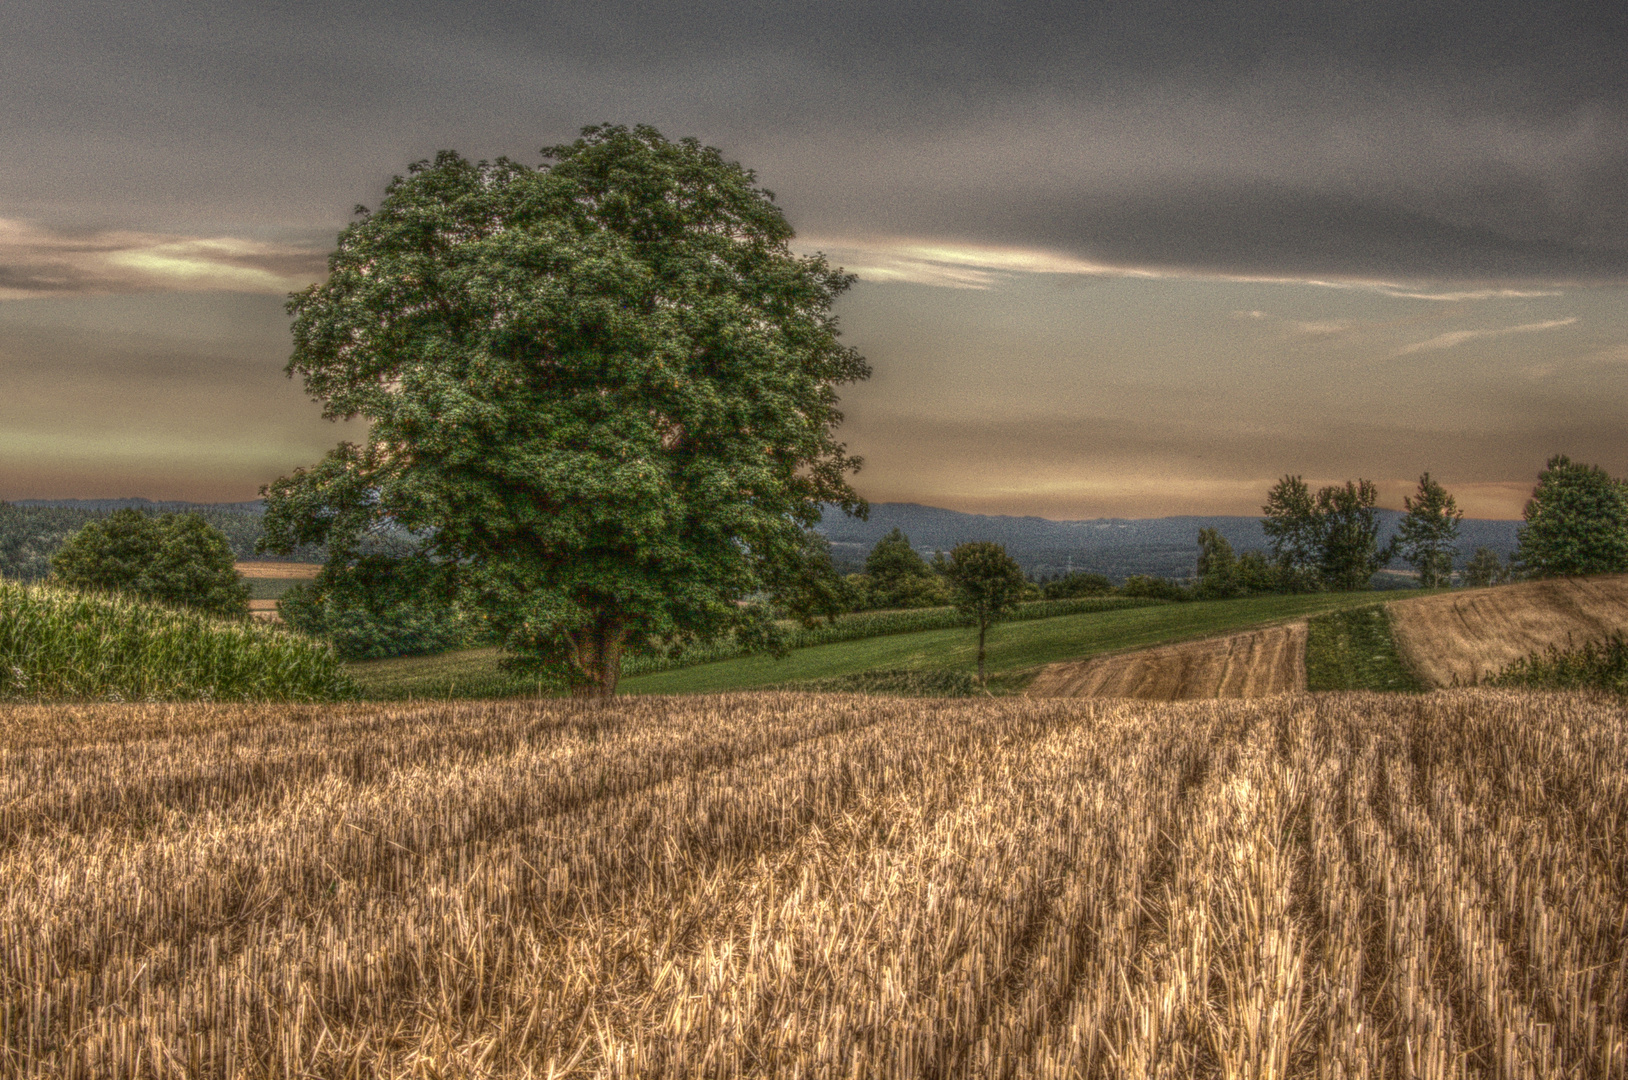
(177, 559)
(603, 391)
(1576, 522)
(1428, 534)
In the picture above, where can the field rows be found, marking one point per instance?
(819, 886)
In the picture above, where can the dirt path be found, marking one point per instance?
(1271, 660)
(1464, 635)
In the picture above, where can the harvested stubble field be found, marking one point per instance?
(1459, 638)
(820, 886)
(1271, 660)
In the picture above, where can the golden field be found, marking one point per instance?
(1459, 637)
(1271, 660)
(819, 886)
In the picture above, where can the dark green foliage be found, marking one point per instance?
(602, 393)
(810, 588)
(896, 576)
(1428, 534)
(1349, 529)
(31, 535)
(363, 628)
(57, 644)
(1576, 522)
(177, 559)
(1256, 575)
(986, 585)
(1218, 573)
(1327, 541)
(1147, 587)
(1484, 568)
(1595, 665)
(1354, 650)
(1077, 584)
(1294, 532)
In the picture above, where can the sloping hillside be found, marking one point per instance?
(1461, 636)
(1271, 660)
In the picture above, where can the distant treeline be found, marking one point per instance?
(32, 532)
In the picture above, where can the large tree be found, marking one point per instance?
(1428, 535)
(1576, 522)
(603, 392)
(986, 585)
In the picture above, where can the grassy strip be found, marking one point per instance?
(1596, 665)
(1353, 649)
(1015, 650)
(56, 645)
(869, 624)
(903, 683)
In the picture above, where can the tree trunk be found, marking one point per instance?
(982, 628)
(598, 650)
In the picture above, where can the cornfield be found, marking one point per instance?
(818, 886)
(58, 643)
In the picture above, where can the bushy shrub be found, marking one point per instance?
(1076, 585)
(60, 644)
(177, 559)
(1596, 665)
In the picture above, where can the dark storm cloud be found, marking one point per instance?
(1395, 140)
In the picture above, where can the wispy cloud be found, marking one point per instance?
(951, 264)
(1477, 294)
(1459, 337)
(39, 262)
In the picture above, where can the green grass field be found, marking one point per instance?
(1015, 650)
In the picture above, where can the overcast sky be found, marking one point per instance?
(1116, 259)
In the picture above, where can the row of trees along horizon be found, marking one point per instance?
(1576, 523)
(601, 395)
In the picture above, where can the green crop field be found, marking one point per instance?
(1015, 650)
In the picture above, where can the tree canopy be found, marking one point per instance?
(1330, 540)
(603, 391)
(1576, 522)
(1428, 535)
(177, 559)
(899, 576)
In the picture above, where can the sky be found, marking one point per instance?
(1128, 258)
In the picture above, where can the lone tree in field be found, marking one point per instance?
(1428, 534)
(603, 391)
(177, 559)
(1576, 522)
(985, 585)
(1485, 568)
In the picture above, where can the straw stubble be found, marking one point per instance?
(819, 886)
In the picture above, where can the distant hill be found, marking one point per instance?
(1117, 547)
(254, 506)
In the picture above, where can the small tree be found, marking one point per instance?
(177, 559)
(810, 587)
(900, 577)
(1428, 533)
(986, 584)
(1218, 576)
(1349, 520)
(1294, 531)
(1484, 568)
(1576, 522)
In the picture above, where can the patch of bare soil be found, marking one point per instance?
(265, 609)
(1271, 660)
(297, 571)
(1460, 637)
